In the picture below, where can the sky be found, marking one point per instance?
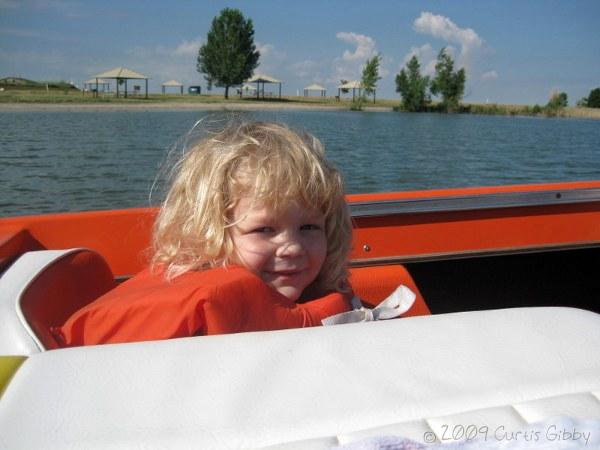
(513, 51)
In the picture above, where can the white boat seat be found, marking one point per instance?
(311, 388)
(41, 290)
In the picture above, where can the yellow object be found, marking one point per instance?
(8, 366)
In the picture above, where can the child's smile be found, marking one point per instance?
(286, 250)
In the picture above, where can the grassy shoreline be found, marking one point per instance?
(12, 100)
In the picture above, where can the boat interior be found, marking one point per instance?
(565, 277)
(505, 358)
(479, 249)
(459, 250)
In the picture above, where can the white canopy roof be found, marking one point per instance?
(263, 79)
(122, 72)
(174, 83)
(315, 87)
(351, 85)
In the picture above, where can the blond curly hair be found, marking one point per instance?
(268, 161)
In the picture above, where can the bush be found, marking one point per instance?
(593, 100)
(558, 100)
(412, 86)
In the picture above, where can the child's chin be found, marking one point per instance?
(291, 293)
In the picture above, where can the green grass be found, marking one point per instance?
(62, 93)
(61, 96)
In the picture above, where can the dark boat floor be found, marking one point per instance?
(555, 278)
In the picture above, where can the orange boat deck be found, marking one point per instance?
(423, 230)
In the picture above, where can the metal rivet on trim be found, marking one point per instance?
(366, 248)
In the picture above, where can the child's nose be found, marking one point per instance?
(290, 245)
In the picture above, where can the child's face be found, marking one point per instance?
(286, 250)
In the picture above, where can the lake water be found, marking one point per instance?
(69, 161)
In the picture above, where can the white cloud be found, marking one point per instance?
(365, 46)
(426, 56)
(264, 49)
(270, 60)
(349, 65)
(384, 65)
(443, 28)
(491, 75)
(188, 48)
(305, 69)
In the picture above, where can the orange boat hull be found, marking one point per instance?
(123, 237)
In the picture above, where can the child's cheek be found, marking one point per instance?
(254, 252)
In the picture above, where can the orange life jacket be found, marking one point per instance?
(216, 301)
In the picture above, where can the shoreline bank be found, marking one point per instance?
(174, 106)
(567, 113)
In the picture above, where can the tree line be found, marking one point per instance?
(592, 100)
(448, 83)
(229, 57)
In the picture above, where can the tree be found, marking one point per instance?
(368, 83)
(229, 56)
(558, 100)
(448, 83)
(593, 100)
(370, 75)
(413, 86)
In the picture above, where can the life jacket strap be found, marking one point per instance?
(399, 301)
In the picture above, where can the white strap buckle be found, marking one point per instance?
(400, 301)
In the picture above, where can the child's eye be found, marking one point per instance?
(310, 227)
(263, 230)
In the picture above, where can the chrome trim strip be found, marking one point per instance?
(474, 202)
(387, 260)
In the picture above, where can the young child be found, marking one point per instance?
(254, 234)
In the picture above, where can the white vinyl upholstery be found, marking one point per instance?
(310, 388)
(16, 336)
